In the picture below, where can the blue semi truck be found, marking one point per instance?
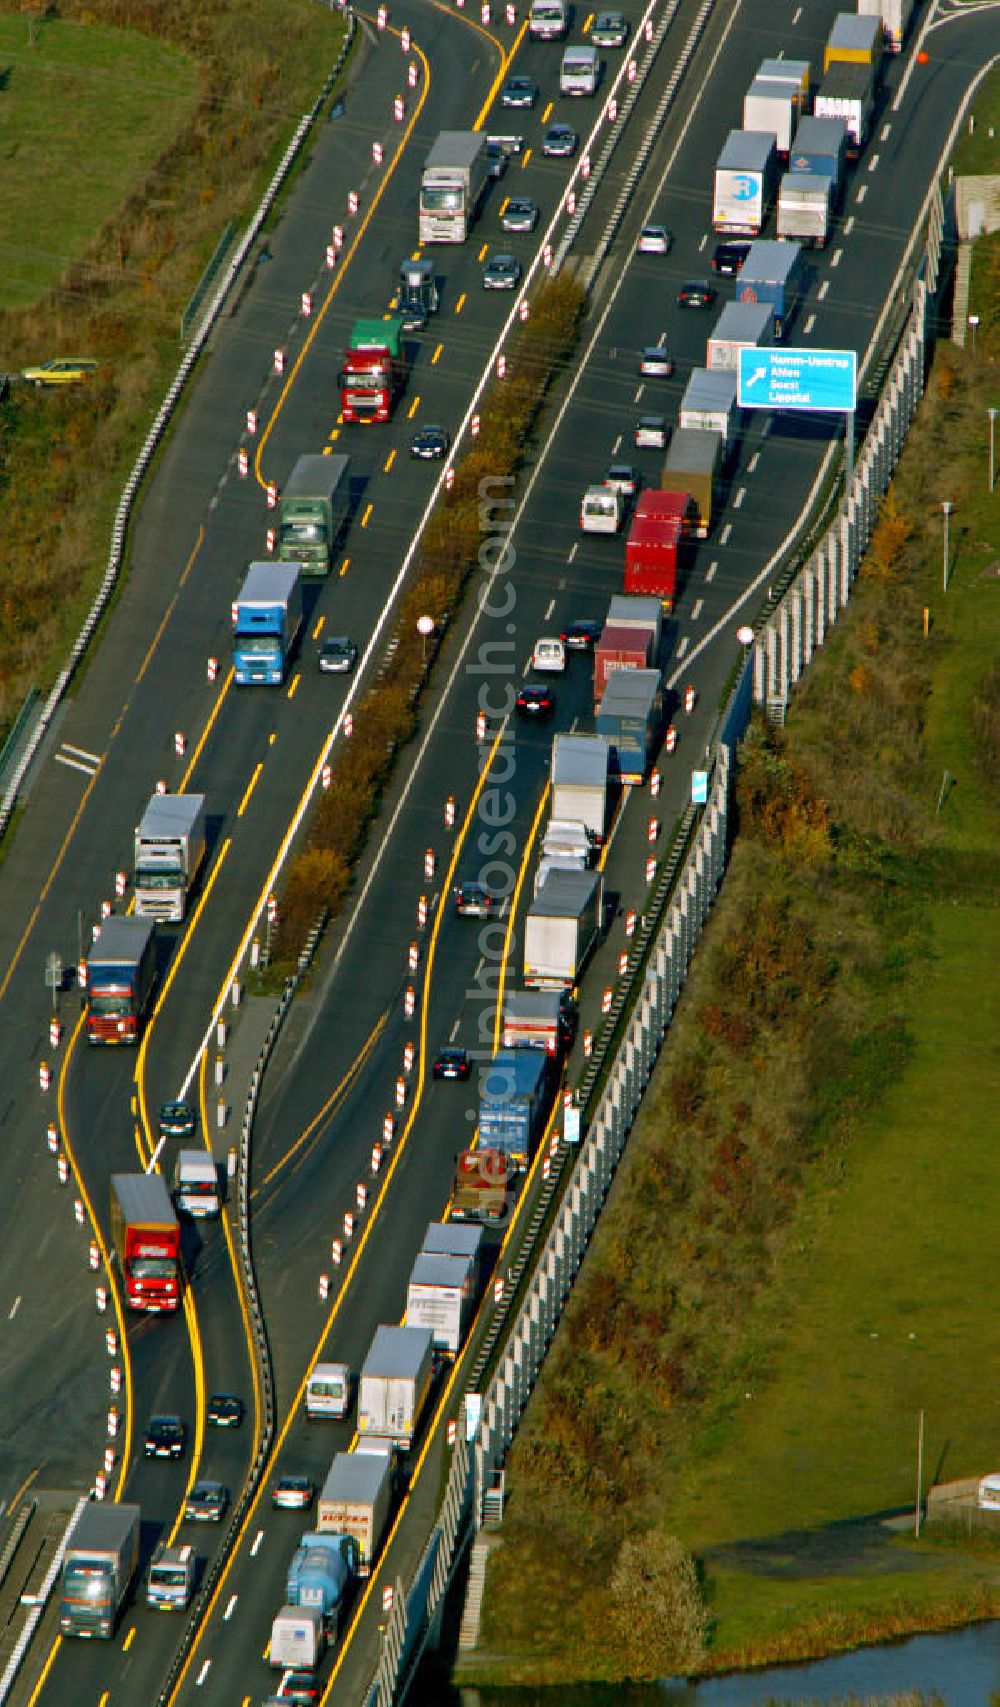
(513, 1103)
(267, 617)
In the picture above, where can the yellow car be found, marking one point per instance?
(64, 370)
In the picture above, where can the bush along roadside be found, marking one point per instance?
(384, 719)
(796, 1069)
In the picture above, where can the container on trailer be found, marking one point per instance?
(746, 175)
(709, 401)
(560, 928)
(514, 1097)
(569, 835)
(534, 1019)
(821, 146)
(268, 614)
(894, 14)
(631, 717)
(740, 326)
(693, 464)
(443, 1238)
(579, 773)
(856, 39)
(354, 1500)
(98, 1568)
(395, 1383)
(847, 92)
(314, 508)
(170, 845)
(771, 106)
(632, 610)
(439, 1296)
(772, 273)
(298, 1638)
(654, 550)
(617, 649)
(454, 177)
(121, 973)
(146, 1235)
(795, 73)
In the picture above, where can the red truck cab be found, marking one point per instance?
(147, 1240)
(121, 972)
(374, 370)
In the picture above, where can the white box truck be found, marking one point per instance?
(746, 175)
(709, 403)
(561, 927)
(740, 326)
(298, 1638)
(769, 105)
(439, 1297)
(805, 208)
(448, 1239)
(895, 15)
(579, 771)
(395, 1383)
(454, 178)
(170, 845)
(354, 1501)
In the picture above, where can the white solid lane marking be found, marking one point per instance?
(206, 1668)
(873, 162)
(798, 14)
(886, 128)
(574, 551)
(258, 1538)
(738, 500)
(74, 764)
(810, 323)
(453, 1033)
(550, 607)
(752, 464)
(768, 424)
(231, 1608)
(616, 446)
(682, 648)
(836, 257)
(638, 394)
(701, 245)
(14, 1308)
(862, 192)
(848, 225)
(696, 609)
(724, 535)
(710, 571)
(81, 753)
(824, 287)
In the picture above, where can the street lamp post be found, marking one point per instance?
(947, 507)
(992, 413)
(425, 627)
(973, 323)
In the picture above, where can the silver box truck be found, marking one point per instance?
(99, 1565)
(170, 845)
(740, 326)
(354, 1500)
(561, 927)
(314, 509)
(709, 402)
(439, 1297)
(805, 207)
(579, 771)
(395, 1383)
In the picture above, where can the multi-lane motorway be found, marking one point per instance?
(253, 755)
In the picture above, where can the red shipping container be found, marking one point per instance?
(618, 649)
(662, 521)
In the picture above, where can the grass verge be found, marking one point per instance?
(795, 1258)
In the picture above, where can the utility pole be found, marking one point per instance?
(920, 1476)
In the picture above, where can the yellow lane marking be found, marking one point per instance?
(251, 785)
(436, 356)
(390, 459)
(414, 406)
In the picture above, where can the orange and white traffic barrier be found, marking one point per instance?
(650, 868)
(606, 1000)
(381, 17)
(81, 974)
(44, 1075)
(111, 1342)
(352, 201)
(212, 669)
(338, 236)
(114, 1421)
(376, 1158)
(252, 421)
(331, 256)
(121, 883)
(498, 1291)
(324, 1288)
(412, 74)
(484, 11)
(270, 540)
(100, 1485)
(452, 1432)
(413, 956)
(272, 495)
(400, 1091)
(336, 1252)
(279, 361)
(546, 1168)
(79, 1213)
(109, 1460)
(510, 15)
(52, 1137)
(55, 1032)
(623, 963)
(630, 922)
(630, 71)
(449, 478)
(523, 309)
(348, 725)
(480, 725)
(93, 1256)
(652, 829)
(670, 739)
(101, 1298)
(429, 863)
(306, 304)
(398, 109)
(242, 460)
(501, 366)
(361, 1195)
(422, 911)
(409, 1001)
(689, 699)
(326, 775)
(449, 812)
(115, 1378)
(377, 153)
(611, 110)
(105, 909)
(180, 743)
(387, 1598)
(388, 1128)
(474, 426)
(588, 1044)
(409, 1056)
(348, 1224)
(655, 784)
(404, 38)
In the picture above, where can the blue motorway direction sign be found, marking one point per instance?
(797, 379)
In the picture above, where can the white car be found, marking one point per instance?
(654, 240)
(651, 432)
(549, 654)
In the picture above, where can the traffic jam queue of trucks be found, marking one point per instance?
(795, 158)
(361, 1487)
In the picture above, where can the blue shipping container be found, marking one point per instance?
(513, 1102)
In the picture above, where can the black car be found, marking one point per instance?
(496, 160)
(560, 142)
(166, 1437)
(452, 1063)
(177, 1120)
(503, 272)
(520, 214)
(535, 700)
(728, 258)
(337, 656)
(430, 444)
(697, 293)
(473, 901)
(519, 92)
(582, 634)
(301, 1687)
(225, 1410)
(207, 1502)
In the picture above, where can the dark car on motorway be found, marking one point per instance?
(293, 1493)
(535, 700)
(696, 293)
(623, 478)
(473, 901)
(609, 29)
(503, 272)
(560, 142)
(166, 1437)
(177, 1120)
(337, 656)
(728, 258)
(520, 214)
(430, 444)
(207, 1502)
(496, 159)
(582, 634)
(226, 1410)
(519, 92)
(451, 1063)
(301, 1687)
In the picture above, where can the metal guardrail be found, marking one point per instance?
(200, 291)
(18, 728)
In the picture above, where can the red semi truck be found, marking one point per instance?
(121, 972)
(655, 545)
(374, 370)
(147, 1241)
